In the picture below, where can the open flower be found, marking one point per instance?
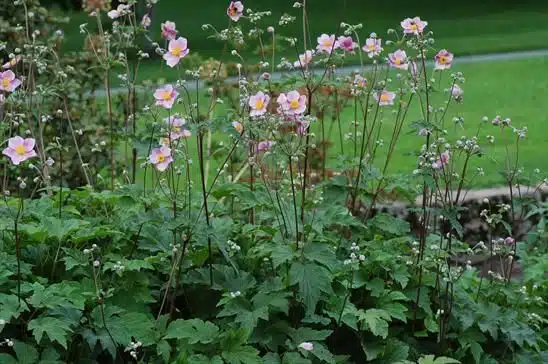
(347, 43)
(413, 25)
(264, 146)
(258, 104)
(176, 127)
(385, 98)
(327, 43)
(373, 46)
(238, 126)
(165, 96)
(292, 104)
(146, 21)
(121, 10)
(19, 149)
(398, 59)
(8, 82)
(235, 10)
(456, 92)
(169, 30)
(442, 161)
(177, 50)
(161, 157)
(304, 59)
(306, 346)
(11, 63)
(443, 59)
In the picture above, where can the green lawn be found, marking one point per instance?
(514, 89)
(464, 28)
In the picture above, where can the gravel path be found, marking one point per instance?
(479, 58)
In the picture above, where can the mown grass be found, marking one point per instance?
(464, 28)
(510, 88)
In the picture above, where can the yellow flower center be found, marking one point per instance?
(372, 46)
(443, 60)
(166, 95)
(327, 43)
(176, 51)
(414, 27)
(5, 83)
(233, 11)
(160, 159)
(385, 97)
(397, 60)
(20, 149)
(294, 104)
(259, 104)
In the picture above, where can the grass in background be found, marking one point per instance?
(509, 88)
(464, 28)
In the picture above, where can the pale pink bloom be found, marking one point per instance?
(398, 59)
(19, 149)
(509, 241)
(304, 59)
(264, 146)
(373, 47)
(347, 43)
(165, 96)
(12, 62)
(385, 97)
(8, 82)
(497, 120)
(327, 43)
(235, 10)
(238, 126)
(444, 59)
(413, 25)
(176, 51)
(113, 14)
(456, 91)
(306, 346)
(292, 104)
(161, 157)
(442, 161)
(258, 103)
(169, 30)
(146, 21)
(359, 81)
(121, 10)
(176, 127)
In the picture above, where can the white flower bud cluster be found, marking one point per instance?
(355, 256)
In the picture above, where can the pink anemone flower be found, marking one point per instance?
(413, 25)
(19, 149)
(442, 161)
(304, 59)
(8, 82)
(235, 10)
(398, 60)
(177, 50)
(327, 43)
(385, 98)
(258, 104)
(165, 96)
(161, 157)
(177, 129)
(373, 47)
(443, 60)
(347, 43)
(169, 30)
(292, 104)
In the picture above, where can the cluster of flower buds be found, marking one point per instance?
(132, 348)
(355, 257)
